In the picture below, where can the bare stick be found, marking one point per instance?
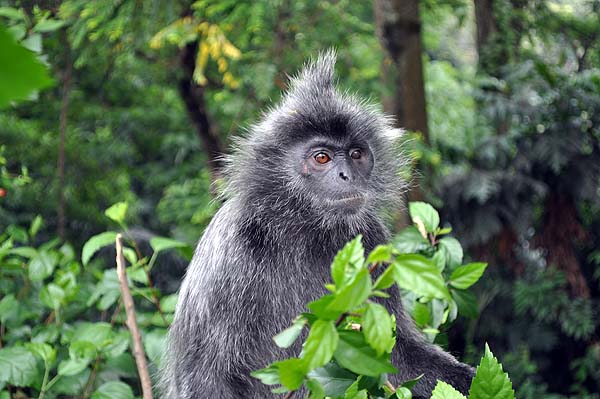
(138, 348)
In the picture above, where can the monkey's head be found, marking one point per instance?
(321, 155)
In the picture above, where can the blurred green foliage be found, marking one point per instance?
(513, 161)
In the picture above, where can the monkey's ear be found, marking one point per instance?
(316, 76)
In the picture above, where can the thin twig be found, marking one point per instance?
(138, 348)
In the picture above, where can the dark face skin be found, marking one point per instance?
(336, 173)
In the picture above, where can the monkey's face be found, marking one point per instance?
(335, 173)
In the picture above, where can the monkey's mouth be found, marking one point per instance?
(348, 202)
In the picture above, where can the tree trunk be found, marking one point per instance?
(193, 97)
(399, 31)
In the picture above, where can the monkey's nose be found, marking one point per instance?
(344, 176)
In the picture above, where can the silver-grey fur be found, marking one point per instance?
(267, 252)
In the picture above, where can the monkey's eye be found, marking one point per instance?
(355, 154)
(322, 158)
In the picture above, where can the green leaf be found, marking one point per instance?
(354, 354)
(334, 379)
(94, 244)
(25, 252)
(381, 253)
(8, 308)
(35, 226)
(52, 296)
(421, 314)
(43, 350)
(155, 342)
(420, 275)
(48, 25)
(159, 244)
(409, 241)
(465, 276)
(410, 384)
(386, 279)
(42, 265)
(445, 391)
(169, 303)
(403, 393)
(12, 13)
(466, 302)
(18, 366)
(316, 390)
(291, 373)
(320, 344)
(72, 366)
(288, 336)
(377, 327)
(21, 74)
(99, 334)
(347, 261)
(268, 375)
(490, 381)
(352, 294)
(117, 212)
(452, 250)
(422, 211)
(113, 390)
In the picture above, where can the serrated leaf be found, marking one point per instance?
(490, 381)
(21, 73)
(425, 213)
(117, 212)
(452, 250)
(445, 391)
(17, 366)
(113, 390)
(354, 354)
(377, 328)
(347, 261)
(418, 274)
(95, 243)
(465, 276)
(320, 344)
(352, 294)
(334, 379)
(288, 336)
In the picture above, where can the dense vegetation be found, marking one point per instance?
(146, 94)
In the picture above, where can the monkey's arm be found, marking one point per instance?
(414, 356)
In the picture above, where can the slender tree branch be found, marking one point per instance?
(138, 348)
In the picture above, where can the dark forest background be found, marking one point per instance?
(500, 98)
